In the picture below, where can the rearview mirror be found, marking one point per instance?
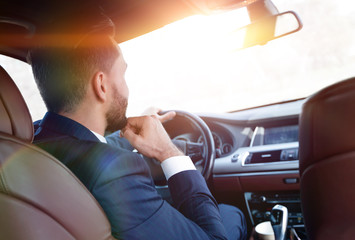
(269, 28)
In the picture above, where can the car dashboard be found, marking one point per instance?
(256, 157)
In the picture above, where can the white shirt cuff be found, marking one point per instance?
(174, 165)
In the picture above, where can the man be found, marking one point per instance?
(84, 89)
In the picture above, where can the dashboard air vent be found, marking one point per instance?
(272, 156)
(263, 157)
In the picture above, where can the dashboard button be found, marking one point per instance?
(262, 198)
(289, 154)
(290, 180)
(235, 157)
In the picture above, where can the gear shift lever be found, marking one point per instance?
(279, 218)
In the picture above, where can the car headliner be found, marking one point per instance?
(21, 20)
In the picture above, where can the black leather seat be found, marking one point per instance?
(39, 197)
(327, 162)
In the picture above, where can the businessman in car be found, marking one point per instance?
(83, 86)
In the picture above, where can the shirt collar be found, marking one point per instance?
(100, 137)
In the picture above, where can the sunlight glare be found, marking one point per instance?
(201, 37)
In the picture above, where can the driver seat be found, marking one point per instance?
(39, 197)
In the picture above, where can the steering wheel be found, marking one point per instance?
(201, 153)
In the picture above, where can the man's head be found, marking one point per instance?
(65, 74)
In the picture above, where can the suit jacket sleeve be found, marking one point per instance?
(127, 194)
(114, 139)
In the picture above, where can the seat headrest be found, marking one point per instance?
(327, 123)
(15, 118)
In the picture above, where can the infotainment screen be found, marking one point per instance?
(284, 134)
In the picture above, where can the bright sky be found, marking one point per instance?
(192, 65)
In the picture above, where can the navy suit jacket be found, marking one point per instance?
(121, 182)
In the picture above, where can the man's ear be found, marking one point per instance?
(100, 86)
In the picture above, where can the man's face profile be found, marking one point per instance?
(116, 114)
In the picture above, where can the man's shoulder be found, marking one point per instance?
(88, 160)
(69, 148)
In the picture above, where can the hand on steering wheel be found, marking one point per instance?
(202, 154)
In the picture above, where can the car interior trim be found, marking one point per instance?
(255, 174)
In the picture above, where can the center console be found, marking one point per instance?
(260, 204)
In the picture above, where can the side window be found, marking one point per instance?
(21, 73)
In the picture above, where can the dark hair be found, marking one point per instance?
(63, 70)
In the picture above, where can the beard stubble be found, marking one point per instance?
(116, 116)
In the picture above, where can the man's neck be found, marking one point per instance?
(90, 119)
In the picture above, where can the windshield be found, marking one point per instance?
(192, 64)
